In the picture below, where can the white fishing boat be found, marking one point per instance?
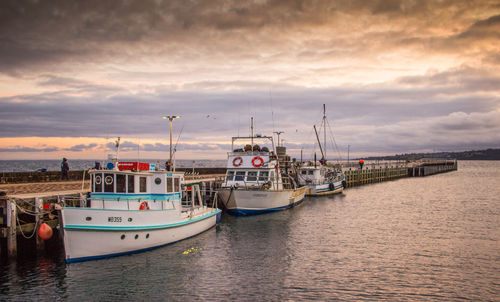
(253, 183)
(132, 207)
(321, 179)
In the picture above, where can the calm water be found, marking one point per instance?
(83, 164)
(433, 238)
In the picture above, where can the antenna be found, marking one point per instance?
(278, 133)
(117, 146)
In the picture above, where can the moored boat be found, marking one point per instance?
(321, 179)
(133, 207)
(131, 210)
(253, 183)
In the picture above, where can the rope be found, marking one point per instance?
(34, 230)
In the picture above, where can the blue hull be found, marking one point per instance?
(242, 212)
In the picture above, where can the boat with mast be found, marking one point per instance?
(254, 183)
(321, 179)
(132, 207)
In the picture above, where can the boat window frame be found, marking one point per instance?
(254, 177)
(97, 185)
(177, 184)
(230, 174)
(143, 184)
(109, 188)
(239, 174)
(265, 177)
(169, 182)
(130, 184)
(118, 184)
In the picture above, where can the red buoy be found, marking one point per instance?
(45, 231)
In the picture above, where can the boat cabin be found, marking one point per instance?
(128, 182)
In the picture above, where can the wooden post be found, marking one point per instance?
(82, 201)
(200, 202)
(38, 207)
(11, 229)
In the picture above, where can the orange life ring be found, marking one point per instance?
(237, 161)
(144, 206)
(261, 161)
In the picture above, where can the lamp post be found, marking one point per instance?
(171, 118)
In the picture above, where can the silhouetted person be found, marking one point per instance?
(168, 165)
(361, 163)
(64, 169)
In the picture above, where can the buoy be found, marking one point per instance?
(45, 231)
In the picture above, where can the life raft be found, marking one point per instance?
(237, 161)
(144, 206)
(257, 161)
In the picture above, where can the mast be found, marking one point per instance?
(251, 127)
(319, 143)
(324, 126)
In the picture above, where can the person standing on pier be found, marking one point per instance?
(361, 163)
(64, 169)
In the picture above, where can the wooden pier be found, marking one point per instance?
(24, 206)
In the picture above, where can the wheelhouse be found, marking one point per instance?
(128, 182)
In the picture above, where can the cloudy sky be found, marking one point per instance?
(396, 75)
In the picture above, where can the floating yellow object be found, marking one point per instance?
(191, 250)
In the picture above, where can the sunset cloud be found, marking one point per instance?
(395, 76)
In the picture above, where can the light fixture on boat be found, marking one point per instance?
(170, 118)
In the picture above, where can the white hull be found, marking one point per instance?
(110, 233)
(247, 201)
(324, 189)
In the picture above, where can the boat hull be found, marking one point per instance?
(249, 202)
(324, 189)
(86, 241)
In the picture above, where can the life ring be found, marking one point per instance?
(144, 206)
(237, 161)
(261, 161)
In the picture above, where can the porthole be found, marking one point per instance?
(97, 179)
(130, 219)
(108, 180)
(122, 237)
(136, 236)
(88, 218)
(147, 236)
(157, 180)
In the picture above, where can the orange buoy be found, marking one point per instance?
(45, 231)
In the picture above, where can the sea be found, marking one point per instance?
(434, 238)
(84, 164)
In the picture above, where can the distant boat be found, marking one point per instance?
(132, 207)
(321, 179)
(253, 183)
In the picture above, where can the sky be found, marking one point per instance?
(395, 76)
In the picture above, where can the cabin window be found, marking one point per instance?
(311, 172)
(120, 183)
(304, 172)
(169, 185)
(240, 176)
(263, 175)
(131, 184)
(109, 180)
(142, 184)
(98, 182)
(230, 176)
(177, 184)
(252, 176)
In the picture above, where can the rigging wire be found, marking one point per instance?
(333, 139)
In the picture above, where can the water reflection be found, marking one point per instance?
(433, 238)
